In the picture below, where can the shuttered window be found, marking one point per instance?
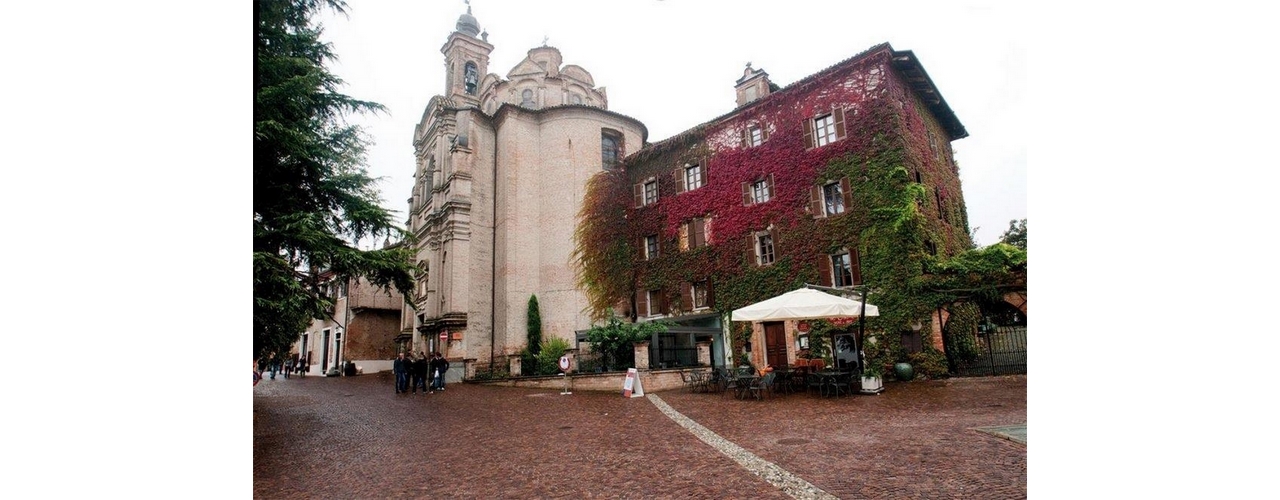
(824, 129)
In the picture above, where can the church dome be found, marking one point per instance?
(467, 24)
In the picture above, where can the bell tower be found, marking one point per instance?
(466, 60)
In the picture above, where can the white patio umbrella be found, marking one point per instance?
(802, 303)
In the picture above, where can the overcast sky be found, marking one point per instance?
(672, 65)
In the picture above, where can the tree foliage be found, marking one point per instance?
(535, 326)
(614, 340)
(313, 200)
(1016, 235)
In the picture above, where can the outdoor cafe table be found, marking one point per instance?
(829, 376)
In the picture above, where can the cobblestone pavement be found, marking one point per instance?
(318, 437)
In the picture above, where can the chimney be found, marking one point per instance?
(753, 85)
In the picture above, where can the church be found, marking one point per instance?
(501, 168)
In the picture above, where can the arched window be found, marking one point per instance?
(471, 78)
(610, 149)
(526, 99)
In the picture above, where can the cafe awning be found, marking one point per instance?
(803, 303)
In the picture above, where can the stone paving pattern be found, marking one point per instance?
(319, 437)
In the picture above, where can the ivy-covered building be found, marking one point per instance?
(844, 178)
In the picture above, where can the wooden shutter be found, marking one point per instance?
(808, 133)
(641, 249)
(706, 230)
(746, 193)
(772, 194)
(815, 201)
(839, 117)
(679, 175)
(751, 249)
(686, 296)
(764, 133)
(855, 266)
(638, 190)
(746, 136)
(684, 236)
(937, 195)
(702, 171)
(642, 303)
(711, 294)
(699, 237)
(824, 270)
(847, 193)
(659, 305)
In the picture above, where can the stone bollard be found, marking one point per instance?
(515, 365)
(704, 354)
(642, 355)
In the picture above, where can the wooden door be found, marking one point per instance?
(775, 344)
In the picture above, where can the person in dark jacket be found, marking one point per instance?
(420, 367)
(439, 365)
(400, 367)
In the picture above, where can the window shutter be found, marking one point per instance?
(638, 190)
(808, 133)
(624, 308)
(702, 170)
(847, 193)
(855, 263)
(746, 136)
(751, 250)
(711, 294)
(824, 270)
(686, 296)
(764, 132)
(772, 193)
(642, 303)
(679, 175)
(839, 117)
(640, 249)
(659, 305)
(746, 193)
(815, 201)
(937, 195)
(706, 230)
(699, 235)
(773, 240)
(684, 236)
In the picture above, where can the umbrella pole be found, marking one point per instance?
(857, 344)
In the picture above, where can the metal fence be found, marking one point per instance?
(1002, 351)
(492, 371)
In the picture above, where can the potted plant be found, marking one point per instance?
(872, 383)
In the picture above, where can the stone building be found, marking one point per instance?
(362, 327)
(779, 192)
(501, 169)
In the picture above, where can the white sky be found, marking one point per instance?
(672, 65)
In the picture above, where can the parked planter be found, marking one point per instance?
(871, 385)
(904, 371)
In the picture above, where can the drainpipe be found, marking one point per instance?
(493, 260)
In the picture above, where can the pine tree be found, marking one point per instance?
(313, 199)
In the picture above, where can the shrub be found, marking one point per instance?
(549, 355)
(930, 362)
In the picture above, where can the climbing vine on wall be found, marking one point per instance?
(905, 221)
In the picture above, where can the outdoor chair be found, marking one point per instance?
(686, 380)
(761, 386)
(841, 384)
(728, 381)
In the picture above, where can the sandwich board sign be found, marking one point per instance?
(631, 387)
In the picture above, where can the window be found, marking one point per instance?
(844, 269)
(693, 234)
(824, 129)
(942, 213)
(700, 297)
(646, 193)
(764, 248)
(754, 135)
(650, 303)
(830, 199)
(651, 192)
(610, 149)
(575, 99)
(692, 177)
(471, 78)
(526, 99)
(650, 247)
(758, 191)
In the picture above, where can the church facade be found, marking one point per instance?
(502, 164)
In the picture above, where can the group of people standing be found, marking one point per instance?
(418, 369)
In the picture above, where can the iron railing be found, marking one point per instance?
(1002, 351)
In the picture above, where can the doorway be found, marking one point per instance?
(775, 344)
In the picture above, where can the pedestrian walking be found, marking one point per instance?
(288, 367)
(421, 365)
(302, 366)
(439, 365)
(400, 367)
